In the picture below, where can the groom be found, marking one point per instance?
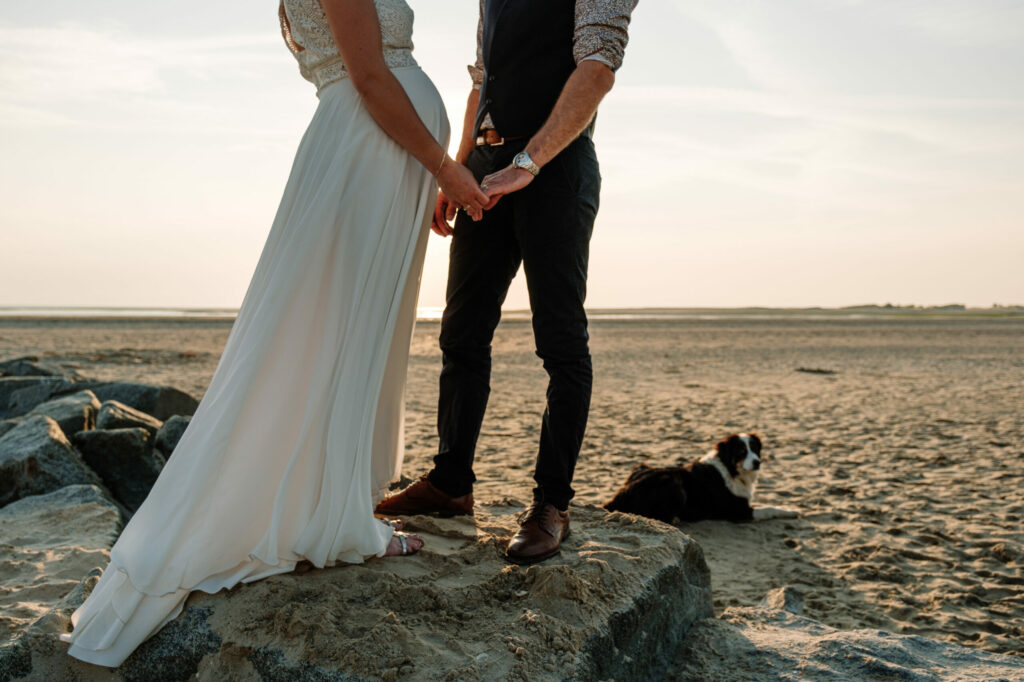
(542, 68)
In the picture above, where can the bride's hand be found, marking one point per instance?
(460, 188)
(444, 214)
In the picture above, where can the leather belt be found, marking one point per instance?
(491, 138)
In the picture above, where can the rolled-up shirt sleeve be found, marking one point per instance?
(476, 70)
(602, 31)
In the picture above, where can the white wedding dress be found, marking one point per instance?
(300, 430)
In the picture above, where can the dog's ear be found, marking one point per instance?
(755, 443)
(729, 449)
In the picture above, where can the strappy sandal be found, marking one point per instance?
(403, 538)
(396, 524)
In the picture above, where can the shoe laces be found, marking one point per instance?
(537, 511)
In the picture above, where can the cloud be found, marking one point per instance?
(79, 62)
(97, 78)
(938, 47)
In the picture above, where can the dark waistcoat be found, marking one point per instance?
(527, 50)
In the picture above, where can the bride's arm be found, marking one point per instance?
(356, 31)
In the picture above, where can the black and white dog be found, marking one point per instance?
(720, 485)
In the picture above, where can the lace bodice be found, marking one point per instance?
(308, 36)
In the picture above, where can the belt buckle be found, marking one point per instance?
(481, 140)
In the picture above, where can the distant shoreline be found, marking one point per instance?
(860, 312)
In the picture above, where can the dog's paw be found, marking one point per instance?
(765, 513)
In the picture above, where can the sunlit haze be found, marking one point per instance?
(796, 153)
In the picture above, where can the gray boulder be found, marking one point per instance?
(41, 637)
(114, 414)
(161, 402)
(30, 365)
(18, 395)
(50, 543)
(75, 515)
(8, 424)
(124, 459)
(170, 433)
(757, 643)
(613, 605)
(36, 458)
(75, 412)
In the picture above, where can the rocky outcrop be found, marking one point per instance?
(18, 395)
(49, 542)
(8, 424)
(170, 433)
(73, 515)
(36, 458)
(767, 644)
(73, 413)
(161, 402)
(31, 365)
(614, 604)
(124, 459)
(114, 414)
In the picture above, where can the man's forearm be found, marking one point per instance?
(468, 140)
(573, 111)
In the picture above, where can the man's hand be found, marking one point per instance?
(507, 180)
(444, 213)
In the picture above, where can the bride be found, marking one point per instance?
(300, 430)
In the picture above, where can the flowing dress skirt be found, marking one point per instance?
(300, 430)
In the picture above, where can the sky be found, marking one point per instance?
(786, 153)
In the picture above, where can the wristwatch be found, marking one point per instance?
(523, 160)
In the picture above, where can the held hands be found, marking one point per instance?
(460, 190)
(494, 186)
(507, 180)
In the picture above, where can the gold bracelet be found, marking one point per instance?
(443, 159)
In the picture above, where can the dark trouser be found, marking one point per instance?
(547, 227)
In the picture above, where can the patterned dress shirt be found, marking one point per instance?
(601, 34)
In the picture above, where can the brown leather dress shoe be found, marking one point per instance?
(423, 498)
(542, 528)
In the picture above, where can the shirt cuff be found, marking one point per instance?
(592, 44)
(476, 74)
(598, 57)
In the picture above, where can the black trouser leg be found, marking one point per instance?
(483, 259)
(554, 220)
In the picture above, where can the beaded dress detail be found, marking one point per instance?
(308, 36)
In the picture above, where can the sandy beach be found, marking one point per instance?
(897, 437)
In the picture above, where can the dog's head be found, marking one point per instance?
(741, 454)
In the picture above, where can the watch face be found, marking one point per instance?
(523, 160)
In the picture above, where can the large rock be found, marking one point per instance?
(8, 424)
(161, 402)
(124, 459)
(114, 414)
(73, 413)
(49, 543)
(757, 643)
(31, 365)
(18, 395)
(614, 604)
(170, 433)
(36, 458)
